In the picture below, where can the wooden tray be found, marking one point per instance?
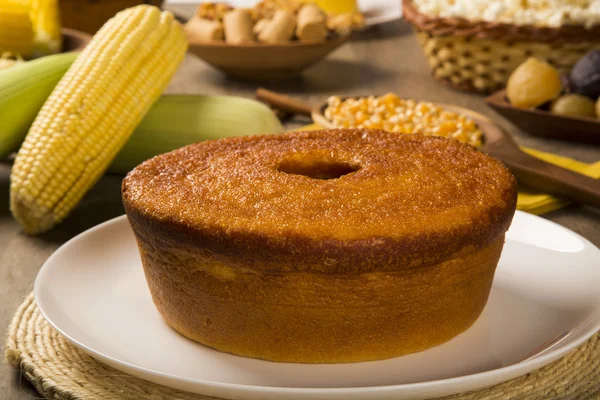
(545, 124)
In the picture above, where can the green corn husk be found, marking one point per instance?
(172, 122)
(178, 120)
(24, 88)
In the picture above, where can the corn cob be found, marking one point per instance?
(23, 90)
(46, 21)
(178, 120)
(92, 112)
(29, 28)
(16, 28)
(172, 122)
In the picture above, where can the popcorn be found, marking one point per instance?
(493, 12)
(551, 13)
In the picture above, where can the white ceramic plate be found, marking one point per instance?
(544, 302)
(376, 11)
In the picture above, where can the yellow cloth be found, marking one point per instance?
(538, 203)
(530, 200)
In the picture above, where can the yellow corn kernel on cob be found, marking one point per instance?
(30, 28)
(17, 34)
(92, 112)
(46, 21)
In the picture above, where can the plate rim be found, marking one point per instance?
(369, 21)
(385, 18)
(477, 380)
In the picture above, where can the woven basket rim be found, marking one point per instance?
(442, 26)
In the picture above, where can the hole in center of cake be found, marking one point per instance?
(317, 169)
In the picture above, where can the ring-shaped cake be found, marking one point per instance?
(321, 247)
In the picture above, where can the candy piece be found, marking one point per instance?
(259, 26)
(212, 11)
(574, 105)
(238, 26)
(533, 83)
(280, 28)
(203, 30)
(311, 24)
(268, 8)
(344, 24)
(585, 76)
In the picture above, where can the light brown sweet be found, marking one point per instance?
(321, 247)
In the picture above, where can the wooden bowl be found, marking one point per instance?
(89, 15)
(264, 61)
(545, 124)
(74, 40)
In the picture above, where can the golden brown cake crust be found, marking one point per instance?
(411, 201)
(317, 318)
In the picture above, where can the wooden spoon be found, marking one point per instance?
(530, 171)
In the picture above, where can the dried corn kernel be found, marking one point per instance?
(392, 113)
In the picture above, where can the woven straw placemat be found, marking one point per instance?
(60, 371)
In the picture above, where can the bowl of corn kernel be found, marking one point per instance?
(393, 113)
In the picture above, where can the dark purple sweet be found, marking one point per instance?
(566, 83)
(585, 76)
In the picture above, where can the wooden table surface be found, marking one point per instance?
(384, 59)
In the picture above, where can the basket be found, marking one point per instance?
(89, 15)
(479, 56)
